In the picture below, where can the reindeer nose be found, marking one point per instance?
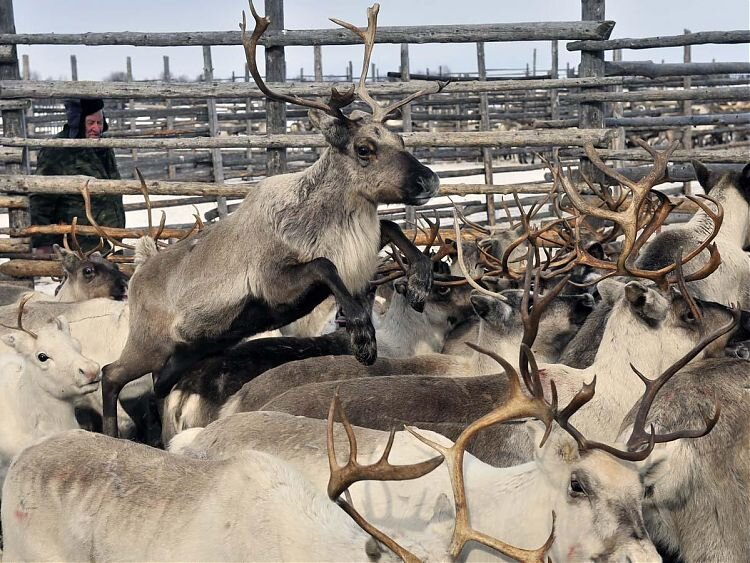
(91, 374)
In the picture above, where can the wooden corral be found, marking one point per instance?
(210, 141)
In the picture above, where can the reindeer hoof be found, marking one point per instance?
(419, 286)
(364, 345)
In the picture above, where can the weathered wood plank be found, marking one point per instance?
(123, 90)
(725, 93)
(22, 184)
(654, 70)
(42, 268)
(576, 137)
(700, 38)
(458, 33)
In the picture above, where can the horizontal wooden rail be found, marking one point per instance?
(726, 93)
(441, 139)
(234, 90)
(736, 155)
(457, 33)
(654, 70)
(700, 38)
(666, 121)
(22, 184)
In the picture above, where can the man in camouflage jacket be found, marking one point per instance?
(85, 120)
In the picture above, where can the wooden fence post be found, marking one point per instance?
(554, 96)
(131, 106)
(73, 68)
(248, 124)
(213, 129)
(618, 110)
(171, 168)
(318, 62)
(275, 72)
(411, 214)
(14, 126)
(591, 114)
(687, 109)
(484, 125)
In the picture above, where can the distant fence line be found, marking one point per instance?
(217, 130)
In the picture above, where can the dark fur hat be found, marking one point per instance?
(76, 112)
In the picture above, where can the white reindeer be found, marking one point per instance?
(81, 496)
(41, 385)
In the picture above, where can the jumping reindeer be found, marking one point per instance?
(301, 237)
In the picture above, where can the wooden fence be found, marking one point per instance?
(211, 141)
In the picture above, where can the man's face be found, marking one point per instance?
(94, 125)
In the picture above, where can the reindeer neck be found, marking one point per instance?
(522, 487)
(43, 412)
(506, 344)
(408, 331)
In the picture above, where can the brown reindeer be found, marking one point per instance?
(299, 238)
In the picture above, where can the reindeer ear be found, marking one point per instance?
(702, 174)
(400, 286)
(333, 129)
(610, 290)
(69, 259)
(491, 309)
(443, 510)
(19, 341)
(646, 301)
(744, 181)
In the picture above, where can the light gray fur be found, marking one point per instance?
(697, 504)
(730, 283)
(194, 290)
(81, 496)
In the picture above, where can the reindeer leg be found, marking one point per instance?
(135, 360)
(322, 272)
(419, 274)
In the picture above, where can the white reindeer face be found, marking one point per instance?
(56, 360)
(597, 501)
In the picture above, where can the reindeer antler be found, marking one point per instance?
(379, 113)
(90, 217)
(517, 405)
(337, 101)
(639, 436)
(628, 219)
(76, 246)
(19, 320)
(342, 477)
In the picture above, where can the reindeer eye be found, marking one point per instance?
(88, 272)
(364, 151)
(42, 357)
(575, 489)
(443, 290)
(688, 316)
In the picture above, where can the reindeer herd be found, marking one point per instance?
(559, 391)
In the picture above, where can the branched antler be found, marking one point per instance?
(517, 405)
(629, 218)
(342, 477)
(337, 101)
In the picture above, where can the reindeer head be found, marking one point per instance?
(88, 276)
(365, 149)
(53, 357)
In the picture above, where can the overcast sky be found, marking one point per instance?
(634, 18)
